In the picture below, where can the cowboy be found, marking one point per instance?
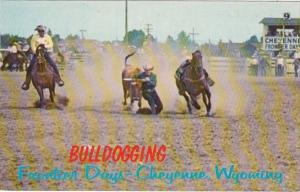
(148, 79)
(41, 39)
(296, 61)
(280, 65)
(182, 67)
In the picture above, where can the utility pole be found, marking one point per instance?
(82, 31)
(149, 29)
(193, 35)
(126, 21)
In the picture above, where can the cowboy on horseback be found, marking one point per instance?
(183, 66)
(41, 39)
(148, 79)
(192, 80)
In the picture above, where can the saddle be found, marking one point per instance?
(180, 70)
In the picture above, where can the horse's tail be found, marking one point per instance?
(131, 54)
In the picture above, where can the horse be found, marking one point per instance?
(43, 76)
(131, 87)
(15, 61)
(193, 83)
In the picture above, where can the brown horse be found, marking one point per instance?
(15, 61)
(193, 83)
(43, 76)
(131, 88)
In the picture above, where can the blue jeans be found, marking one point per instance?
(154, 101)
(48, 59)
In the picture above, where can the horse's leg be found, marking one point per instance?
(22, 65)
(182, 92)
(205, 101)
(3, 65)
(194, 102)
(10, 67)
(187, 99)
(21, 68)
(51, 91)
(208, 94)
(140, 101)
(125, 94)
(41, 94)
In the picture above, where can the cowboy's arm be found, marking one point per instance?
(49, 42)
(152, 80)
(33, 44)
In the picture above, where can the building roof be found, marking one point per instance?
(280, 21)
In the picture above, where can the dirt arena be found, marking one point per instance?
(255, 123)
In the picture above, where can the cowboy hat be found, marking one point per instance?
(40, 28)
(148, 67)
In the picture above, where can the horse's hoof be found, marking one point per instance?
(196, 105)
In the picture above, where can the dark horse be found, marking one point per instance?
(15, 61)
(43, 76)
(193, 83)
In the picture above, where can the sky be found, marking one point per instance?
(105, 20)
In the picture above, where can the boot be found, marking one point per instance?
(153, 109)
(59, 81)
(210, 81)
(26, 84)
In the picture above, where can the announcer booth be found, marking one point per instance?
(281, 35)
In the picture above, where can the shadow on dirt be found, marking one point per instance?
(60, 102)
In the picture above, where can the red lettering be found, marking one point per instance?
(83, 154)
(116, 156)
(151, 153)
(134, 156)
(126, 153)
(73, 153)
(161, 154)
(105, 156)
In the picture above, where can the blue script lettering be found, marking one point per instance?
(93, 171)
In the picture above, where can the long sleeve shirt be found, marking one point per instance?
(280, 61)
(36, 40)
(148, 85)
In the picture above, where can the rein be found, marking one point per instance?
(194, 81)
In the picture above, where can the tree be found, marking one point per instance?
(135, 37)
(7, 39)
(183, 39)
(72, 37)
(253, 40)
(251, 45)
(170, 40)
